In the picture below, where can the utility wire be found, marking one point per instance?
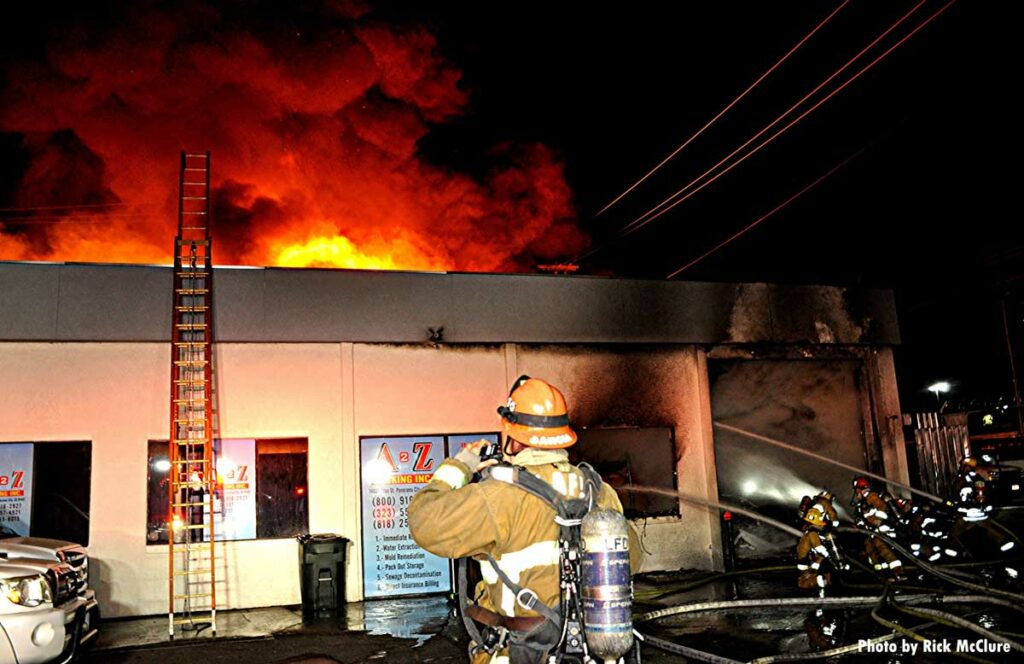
(654, 212)
(770, 213)
(724, 110)
(802, 115)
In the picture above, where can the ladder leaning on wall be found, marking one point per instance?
(192, 477)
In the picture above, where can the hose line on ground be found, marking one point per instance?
(676, 649)
(863, 600)
(909, 633)
(942, 574)
(954, 620)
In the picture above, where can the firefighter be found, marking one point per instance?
(512, 533)
(972, 484)
(823, 501)
(928, 530)
(814, 557)
(873, 514)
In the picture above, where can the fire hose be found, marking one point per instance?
(913, 634)
(956, 621)
(861, 600)
(934, 615)
(932, 569)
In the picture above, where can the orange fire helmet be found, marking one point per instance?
(536, 415)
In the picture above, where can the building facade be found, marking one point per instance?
(319, 362)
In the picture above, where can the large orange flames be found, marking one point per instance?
(314, 138)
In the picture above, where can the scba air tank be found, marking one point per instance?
(607, 586)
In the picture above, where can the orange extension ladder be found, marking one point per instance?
(192, 569)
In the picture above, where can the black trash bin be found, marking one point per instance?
(322, 570)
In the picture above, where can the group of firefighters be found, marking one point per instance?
(929, 531)
(557, 556)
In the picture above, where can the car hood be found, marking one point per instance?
(23, 567)
(33, 547)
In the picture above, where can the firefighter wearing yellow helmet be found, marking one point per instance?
(513, 534)
(816, 552)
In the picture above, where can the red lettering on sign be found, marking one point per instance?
(403, 457)
(243, 472)
(19, 479)
(423, 461)
(385, 456)
(4, 480)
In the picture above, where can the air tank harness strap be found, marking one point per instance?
(568, 514)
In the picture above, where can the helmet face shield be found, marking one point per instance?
(536, 415)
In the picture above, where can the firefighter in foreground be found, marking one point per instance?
(873, 513)
(526, 521)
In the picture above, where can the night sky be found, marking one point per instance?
(924, 207)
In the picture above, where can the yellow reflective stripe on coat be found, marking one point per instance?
(451, 475)
(513, 564)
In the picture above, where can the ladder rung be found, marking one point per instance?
(202, 503)
(193, 198)
(182, 363)
(184, 461)
(193, 275)
(192, 526)
(203, 183)
(185, 381)
(196, 169)
(193, 571)
(187, 212)
(182, 547)
(193, 621)
(190, 307)
(193, 596)
(192, 291)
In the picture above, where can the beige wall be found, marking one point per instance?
(116, 395)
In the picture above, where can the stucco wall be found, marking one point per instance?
(652, 386)
(116, 395)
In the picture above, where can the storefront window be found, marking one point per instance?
(45, 490)
(634, 461)
(261, 489)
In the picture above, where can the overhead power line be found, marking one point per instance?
(668, 203)
(647, 216)
(770, 213)
(800, 117)
(724, 110)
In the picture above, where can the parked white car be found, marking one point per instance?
(47, 610)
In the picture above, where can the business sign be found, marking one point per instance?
(16, 487)
(393, 470)
(236, 498)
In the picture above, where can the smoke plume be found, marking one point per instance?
(313, 121)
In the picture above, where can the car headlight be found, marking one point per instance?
(30, 591)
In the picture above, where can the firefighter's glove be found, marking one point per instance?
(470, 455)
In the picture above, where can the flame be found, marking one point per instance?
(316, 142)
(338, 251)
